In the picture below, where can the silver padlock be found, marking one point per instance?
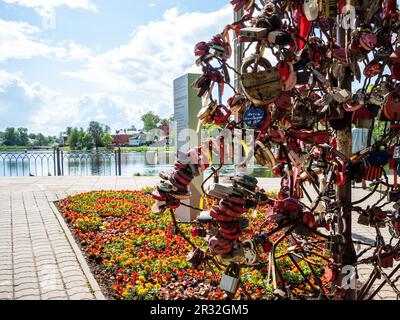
(250, 254)
(253, 33)
(229, 284)
(230, 279)
(342, 95)
(219, 191)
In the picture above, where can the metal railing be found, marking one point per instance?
(60, 163)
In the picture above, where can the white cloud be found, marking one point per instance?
(45, 8)
(156, 54)
(19, 40)
(133, 78)
(42, 110)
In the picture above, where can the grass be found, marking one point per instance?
(19, 148)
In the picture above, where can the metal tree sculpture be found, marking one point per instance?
(295, 78)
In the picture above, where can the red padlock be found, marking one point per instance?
(284, 102)
(368, 40)
(386, 258)
(341, 177)
(221, 114)
(373, 69)
(201, 49)
(309, 220)
(218, 215)
(389, 10)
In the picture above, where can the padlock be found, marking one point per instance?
(250, 34)
(311, 9)
(250, 254)
(255, 116)
(219, 245)
(373, 69)
(221, 114)
(218, 214)
(261, 87)
(201, 49)
(396, 153)
(386, 258)
(196, 258)
(230, 279)
(341, 95)
(264, 156)
(237, 103)
(394, 225)
(331, 246)
(288, 76)
(198, 232)
(368, 40)
(247, 181)
(284, 102)
(391, 108)
(341, 177)
(279, 38)
(206, 112)
(219, 191)
(394, 196)
(364, 219)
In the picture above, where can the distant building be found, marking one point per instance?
(139, 139)
(121, 139)
(63, 139)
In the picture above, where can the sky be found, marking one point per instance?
(68, 62)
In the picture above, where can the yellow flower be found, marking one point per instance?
(158, 286)
(125, 294)
(148, 285)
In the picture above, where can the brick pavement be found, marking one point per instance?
(39, 258)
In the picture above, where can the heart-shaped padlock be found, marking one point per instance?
(260, 86)
(391, 108)
(311, 9)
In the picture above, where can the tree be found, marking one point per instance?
(106, 139)
(85, 140)
(150, 121)
(96, 130)
(40, 140)
(22, 137)
(73, 138)
(10, 137)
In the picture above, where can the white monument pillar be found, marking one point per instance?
(186, 108)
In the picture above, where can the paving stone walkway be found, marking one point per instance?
(39, 258)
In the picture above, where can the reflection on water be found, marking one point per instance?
(134, 163)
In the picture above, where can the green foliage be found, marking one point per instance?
(106, 139)
(78, 139)
(100, 133)
(150, 121)
(20, 137)
(40, 140)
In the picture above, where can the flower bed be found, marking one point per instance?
(137, 255)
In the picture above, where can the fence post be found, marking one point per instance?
(55, 161)
(119, 162)
(58, 163)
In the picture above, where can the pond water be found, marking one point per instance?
(43, 163)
